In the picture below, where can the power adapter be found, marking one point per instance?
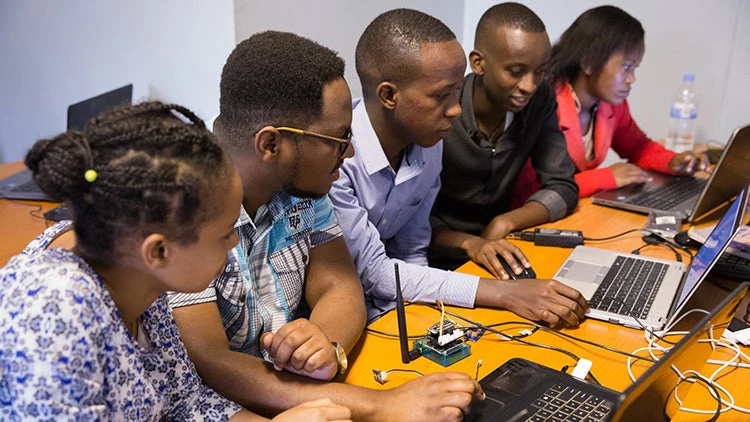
(551, 237)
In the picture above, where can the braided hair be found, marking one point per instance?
(153, 172)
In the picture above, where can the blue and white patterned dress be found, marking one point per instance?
(65, 352)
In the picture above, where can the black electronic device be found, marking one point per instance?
(521, 390)
(551, 237)
(443, 343)
(59, 213)
(683, 239)
(406, 355)
(526, 273)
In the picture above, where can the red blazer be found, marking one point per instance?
(614, 127)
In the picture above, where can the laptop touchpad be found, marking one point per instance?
(585, 276)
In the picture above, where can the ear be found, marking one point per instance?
(586, 69)
(155, 251)
(267, 142)
(476, 61)
(388, 94)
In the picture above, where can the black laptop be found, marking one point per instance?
(689, 197)
(521, 390)
(21, 185)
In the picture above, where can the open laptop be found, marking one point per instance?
(21, 185)
(688, 196)
(521, 390)
(638, 291)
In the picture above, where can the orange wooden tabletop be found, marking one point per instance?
(376, 351)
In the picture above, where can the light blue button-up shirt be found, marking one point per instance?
(385, 217)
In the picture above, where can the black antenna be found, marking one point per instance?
(403, 337)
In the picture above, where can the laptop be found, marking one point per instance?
(638, 291)
(21, 185)
(688, 196)
(521, 390)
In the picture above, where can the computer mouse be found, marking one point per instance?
(683, 239)
(526, 273)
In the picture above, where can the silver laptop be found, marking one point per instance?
(21, 185)
(688, 196)
(637, 291)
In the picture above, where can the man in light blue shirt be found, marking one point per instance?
(389, 218)
(410, 65)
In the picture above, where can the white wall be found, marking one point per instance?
(55, 53)
(337, 24)
(710, 39)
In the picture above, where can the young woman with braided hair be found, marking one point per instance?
(88, 334)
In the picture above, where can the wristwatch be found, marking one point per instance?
(341, 358)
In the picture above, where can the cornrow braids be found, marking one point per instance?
(156, 168)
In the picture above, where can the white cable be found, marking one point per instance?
(652, 337)
(722, 362)
(730, 403)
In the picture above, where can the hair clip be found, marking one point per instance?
(90, 175)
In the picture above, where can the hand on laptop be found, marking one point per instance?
(488, 253)
(440, 396)
(543, 300)
(687, 163)
(626, 173)
(302, 348)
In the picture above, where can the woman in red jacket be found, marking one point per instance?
(592, 69)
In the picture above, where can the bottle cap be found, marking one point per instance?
(688, 77)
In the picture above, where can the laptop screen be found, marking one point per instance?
(80, 113)
(714, 246)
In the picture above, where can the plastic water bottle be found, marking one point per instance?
(682, 116)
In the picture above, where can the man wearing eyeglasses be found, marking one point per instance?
(410, 65)
(285, 119)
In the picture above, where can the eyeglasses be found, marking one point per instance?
(343, 142)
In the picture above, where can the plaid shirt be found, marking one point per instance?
(262, 284)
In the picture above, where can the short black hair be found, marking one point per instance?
(273, 78)
(154, 172)
(507, 15)
(389, 47)
(592, 39)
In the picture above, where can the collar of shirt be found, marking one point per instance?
(468, 118)
(577, 102)
(369, 151)
(264, 216)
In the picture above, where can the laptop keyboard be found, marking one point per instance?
(29, 186)
(669, 196)
(630, 287)
(732, 266)
(566, 403)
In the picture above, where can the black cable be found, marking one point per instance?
(590, 343)
(599, 239)
(34, 213)
(506, 336)
(490, 328)
(676, 254)
(385, 334)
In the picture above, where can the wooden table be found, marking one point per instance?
(21, 221)
(18, 226)
(381, 352)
